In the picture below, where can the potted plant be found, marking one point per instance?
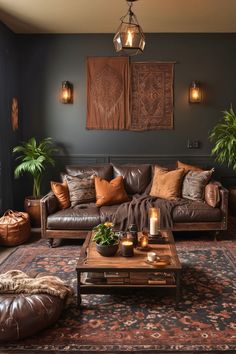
(33, 159)
(223, 135)
(107, 241)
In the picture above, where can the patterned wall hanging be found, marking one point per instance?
(115, 88)
(152, 96)
(107, 93)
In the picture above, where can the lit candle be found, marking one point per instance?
(153, 225)
(127, 248)
(144, 241)
(154, 221)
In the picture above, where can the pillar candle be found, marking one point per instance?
(153, 225)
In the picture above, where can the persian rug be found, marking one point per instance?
(140, 321)
(107, 93)
(152, 96)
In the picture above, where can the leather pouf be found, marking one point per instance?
(22, 315)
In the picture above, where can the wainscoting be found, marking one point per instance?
(222, 173)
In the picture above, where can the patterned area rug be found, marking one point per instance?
(140, 321)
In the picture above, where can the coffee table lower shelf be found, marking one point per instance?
(107, 288)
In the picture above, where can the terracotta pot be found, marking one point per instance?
(32, 207)
(107, 251)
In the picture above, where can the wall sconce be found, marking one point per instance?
(195, 92)
(66, 92)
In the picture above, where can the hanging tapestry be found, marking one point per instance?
(152, 96)
(108, 93)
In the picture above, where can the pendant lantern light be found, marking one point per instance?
(129, 38)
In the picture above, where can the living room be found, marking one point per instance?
(45, 43)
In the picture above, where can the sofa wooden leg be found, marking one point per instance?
(217, 234)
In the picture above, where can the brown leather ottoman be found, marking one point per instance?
(22, 315)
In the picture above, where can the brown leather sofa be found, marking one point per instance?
(75, 222)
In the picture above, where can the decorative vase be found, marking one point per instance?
(107, 250)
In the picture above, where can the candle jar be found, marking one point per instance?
(133, 234)
(143, 241)
(127, 248)
(154, 221)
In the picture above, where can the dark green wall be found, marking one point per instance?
(47, 60)
(8, 90)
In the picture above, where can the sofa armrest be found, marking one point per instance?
(48, 206)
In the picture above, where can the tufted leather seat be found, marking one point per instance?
(82, 216)
(22, 315)
(195, 211)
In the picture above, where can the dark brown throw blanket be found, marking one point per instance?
(136, 212)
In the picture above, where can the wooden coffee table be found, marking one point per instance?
(98, 274)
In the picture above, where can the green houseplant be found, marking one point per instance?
(33, 159)
(107, 241)
(223, 135)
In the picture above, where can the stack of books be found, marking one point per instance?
(117, 278)
(133, 278)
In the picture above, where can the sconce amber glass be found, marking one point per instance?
(66, 92)
(195, 92)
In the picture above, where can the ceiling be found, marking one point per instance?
(102, 16)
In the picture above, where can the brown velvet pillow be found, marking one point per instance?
(62, 193)
(212, 194)
(81, 190)
(109, 193)
(187, 167)
(194, 184)
(167, 184)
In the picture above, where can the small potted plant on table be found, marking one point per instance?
(107, 241)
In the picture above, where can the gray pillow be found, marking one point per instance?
(194, 184)
(81, 190)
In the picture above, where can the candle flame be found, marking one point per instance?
(129, 41)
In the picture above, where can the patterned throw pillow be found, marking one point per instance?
(62, 193)
(194, 184)
(167, 184)
(110, 193)
(81, 190)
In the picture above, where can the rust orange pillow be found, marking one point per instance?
(187, 167)
(167, 184)
(109, 193)
(62, 193)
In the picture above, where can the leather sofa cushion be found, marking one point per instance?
(22, 315)
(107, 212)
(81, 217)
(136, 177)
(103, 171)
(196, 211)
